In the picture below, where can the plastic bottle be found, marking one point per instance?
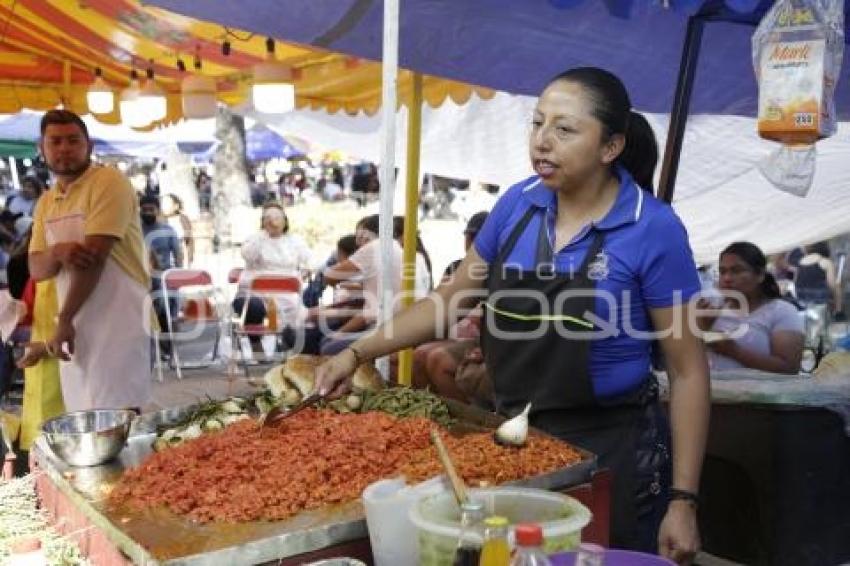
(529, 550)
(590, 555)
(468, 551)
(495, 551)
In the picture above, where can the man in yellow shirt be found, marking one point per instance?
(86, 233)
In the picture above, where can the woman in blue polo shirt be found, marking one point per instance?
(579, 265)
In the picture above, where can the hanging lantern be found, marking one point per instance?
(272, 91)
(152, 99)
(132, 113)
(100, 98)
(198, 94)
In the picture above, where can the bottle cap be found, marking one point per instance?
(496, 521)
(529, 534)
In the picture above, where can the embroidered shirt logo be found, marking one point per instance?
(597, 270)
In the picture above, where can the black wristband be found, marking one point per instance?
(684, 495)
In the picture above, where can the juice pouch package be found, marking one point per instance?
(797, 51)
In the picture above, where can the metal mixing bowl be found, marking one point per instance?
(88, 438)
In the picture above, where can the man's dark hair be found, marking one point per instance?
(149, 199)
(62, 117)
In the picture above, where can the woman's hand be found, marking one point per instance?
(333, 378)
(678, 537)
(706, 314)
(728, 348)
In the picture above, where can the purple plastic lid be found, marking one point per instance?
(615, 558)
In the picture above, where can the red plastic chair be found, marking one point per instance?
(267, 286)
(197, 302)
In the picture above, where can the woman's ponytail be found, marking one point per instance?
(640, 154)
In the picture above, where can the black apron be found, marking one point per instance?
(530, 358)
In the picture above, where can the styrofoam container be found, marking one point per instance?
(437, 519)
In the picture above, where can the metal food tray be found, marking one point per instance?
(161, 537)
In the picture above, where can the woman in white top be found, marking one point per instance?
(766, 331)
(272, 249)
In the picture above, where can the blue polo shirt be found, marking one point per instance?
(649, 265)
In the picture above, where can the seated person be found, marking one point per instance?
(366, 266)
(345, 247)
(771, 328)
(435, 364)
(272, 249)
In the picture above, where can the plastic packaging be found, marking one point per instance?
(590, 555)
(529, 549)
(797, 51)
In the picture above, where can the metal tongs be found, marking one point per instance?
(280, 412)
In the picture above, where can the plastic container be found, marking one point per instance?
(437, 519)
(387, 504)
(615, 558)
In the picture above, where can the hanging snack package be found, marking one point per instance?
(797, 52)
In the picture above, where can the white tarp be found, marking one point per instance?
(720, 194)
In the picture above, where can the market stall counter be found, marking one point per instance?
(776, 480)
(78, 498)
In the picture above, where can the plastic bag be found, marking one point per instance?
(790, 168)
(797, 51)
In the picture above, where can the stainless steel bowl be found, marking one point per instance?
(88, 438)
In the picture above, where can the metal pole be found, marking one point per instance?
(411, 212)
(13, 169)
(386, 173)
(681, 105)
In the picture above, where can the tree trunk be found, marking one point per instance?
(231, 192)
(176, 178)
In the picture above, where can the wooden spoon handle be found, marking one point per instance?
(456, 481)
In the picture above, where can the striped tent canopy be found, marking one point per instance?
(49, 50)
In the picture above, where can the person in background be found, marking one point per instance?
(771, 329)
(165, 251)
(366, 266)
(203, 184)
(23, 202)
(87, 236)
(275, 249)
(816, 279)
(435, 364)
(172, 210)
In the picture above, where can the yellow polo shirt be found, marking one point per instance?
(108, 205)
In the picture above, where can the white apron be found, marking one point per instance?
(111, 365)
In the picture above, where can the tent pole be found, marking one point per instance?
(13, 169)
(411, 210)
(389, 88)
(681, 105)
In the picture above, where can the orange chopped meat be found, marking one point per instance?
(315, 458)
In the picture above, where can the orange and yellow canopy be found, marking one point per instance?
(49, 50)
